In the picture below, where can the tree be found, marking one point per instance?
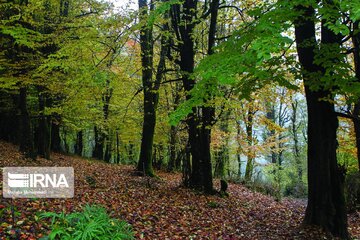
(326, 204)
(199, 119)
(356, 108)
(150, 85)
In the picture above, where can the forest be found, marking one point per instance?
(183, 119)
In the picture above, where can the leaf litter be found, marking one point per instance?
(157, 208)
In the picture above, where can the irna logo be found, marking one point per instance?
(38, 182)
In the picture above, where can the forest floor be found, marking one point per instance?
(158, 209)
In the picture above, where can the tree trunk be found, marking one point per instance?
(150, 97)
(148, 130)
(326, 204)
(79, 143)
(186, 166)
(27, 137)
(356, 112)
(118, 158)
(200, 119)
(220, 161)
(151, 87)
(44, 128)
(270, 115)
(55, 137)
(108, 147)
(66, 145)
(238, 150)
(294, 133)
(99, 145)
(9, 119)
(222, 156)
(356, 122)
(249, 138)
(106, 136)
(172, 159)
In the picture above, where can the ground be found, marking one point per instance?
(158, 209)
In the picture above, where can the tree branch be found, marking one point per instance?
(348, 116)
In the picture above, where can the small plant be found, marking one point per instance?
(90, 224)
(212, 204)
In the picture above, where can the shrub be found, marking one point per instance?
(295, 189)
(90, 224)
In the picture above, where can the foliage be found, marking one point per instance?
(92, 223)
(284, 178)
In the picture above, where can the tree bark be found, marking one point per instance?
(79, 143)
(326, 205)
(118, 158)
(99, 145)
(249, 138)
(294, 133)
(27, 136)
(55, 137)
(108, 147)
(200, 119)
(356, 111)
(356, 123)
(222, 156)
(270, 115)
(172, 159)
(44, 127)
(151, 87)
(105, 135)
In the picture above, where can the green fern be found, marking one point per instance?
(90, 224)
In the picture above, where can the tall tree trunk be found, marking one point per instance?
(55, 136)
(99, 145)
(79, 143)
(222, 156)
(294, 133)
(172, 159)
(200, 119)
(9, 119)
(130, 152)
(44, 127)
(151, 87)
(27, 136)
(118, 158)
(249, 138)
(238, 151)
(148, 129)
(186, 165)
(326, 204)
(108, 147)
(183, 23)
(270, 115)
(356, 123)
(356, 111)
(208, 112)
(66, 145)
(106, 111)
